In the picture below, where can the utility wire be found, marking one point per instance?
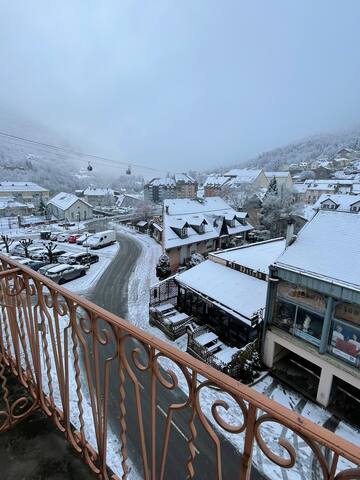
(83, 154)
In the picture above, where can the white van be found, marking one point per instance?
(101, 239)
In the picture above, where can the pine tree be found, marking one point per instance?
(163, 269)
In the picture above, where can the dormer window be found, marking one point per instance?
(183, 232)
(201, 228)
(231, 223)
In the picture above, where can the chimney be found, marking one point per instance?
(290, 237)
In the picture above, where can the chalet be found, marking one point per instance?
(312, 318)
(339, 203)
(195, 225)
(66, 206)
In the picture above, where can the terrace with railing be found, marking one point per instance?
(127, 402)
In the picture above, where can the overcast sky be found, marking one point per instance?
(182, 84)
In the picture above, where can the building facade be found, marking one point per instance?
(178, 186)
(235, 179)
(66, 206)
(100, 197)
(199, 226)
(25, 192)
(313, 307)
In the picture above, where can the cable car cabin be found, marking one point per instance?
(89, 167)
(128, 170)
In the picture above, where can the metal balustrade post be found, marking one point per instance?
(245, 466)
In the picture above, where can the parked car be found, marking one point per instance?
(64, 273)
(37, 264)
(79, 258)
(54, 236)
(44, 255)
(62, 237)
(80, 240)
(47, 267)
(101, 239)
(66, 257)
(73, 238)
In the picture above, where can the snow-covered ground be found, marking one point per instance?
(306, 466)
(9, 226)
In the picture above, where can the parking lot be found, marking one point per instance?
(89, 274)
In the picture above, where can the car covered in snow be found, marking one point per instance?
(65, 272)
(80, 240)
(47, 267)
(62, 237)
(43, 254)
(79, 258)
(54, 236)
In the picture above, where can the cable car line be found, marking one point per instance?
(74, 152)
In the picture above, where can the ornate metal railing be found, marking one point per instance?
(127, 400)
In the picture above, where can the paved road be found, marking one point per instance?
(111, 293)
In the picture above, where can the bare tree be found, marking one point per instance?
(50, 247)
(7, 242)
(25, 243)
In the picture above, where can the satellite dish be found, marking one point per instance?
(128, 170)
(89, 167)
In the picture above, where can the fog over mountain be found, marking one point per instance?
(181, 85)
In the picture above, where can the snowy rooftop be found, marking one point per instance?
(183, 177)
(215, 181)
(304, 211)
(162, 182)
(329, 182)
(257, 256)
(65, 200)
(99, 191)
(11, 202)
(233, 290)
(300, 187)
(277, 174)
(342, 202)
(244, 175)
(187, 206)
(328, 247)
(211, 212)
(7, 186)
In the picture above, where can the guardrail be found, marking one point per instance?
(103, 382)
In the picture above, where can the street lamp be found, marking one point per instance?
(78, 217)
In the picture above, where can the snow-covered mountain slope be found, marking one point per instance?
(50, 167)
(305, 150)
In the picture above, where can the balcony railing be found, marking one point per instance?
(127, 400)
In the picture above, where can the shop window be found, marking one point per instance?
(308, 326)
(285, 314)
(345, 342)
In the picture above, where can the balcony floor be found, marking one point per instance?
(35, 450)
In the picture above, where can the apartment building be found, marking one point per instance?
(25, 192)
(180, 185)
